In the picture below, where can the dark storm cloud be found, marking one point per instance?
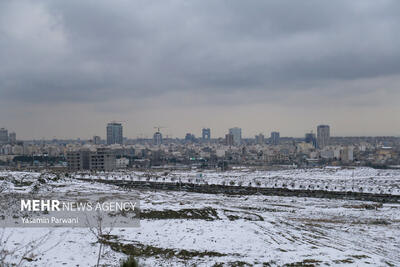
(88, 51)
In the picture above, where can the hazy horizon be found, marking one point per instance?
(197, 135)
(70, 67)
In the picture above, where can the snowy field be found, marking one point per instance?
(192, 229)
(365, 180)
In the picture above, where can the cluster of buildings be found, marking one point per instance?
(8, 142)
(7, 138)
(117, 152)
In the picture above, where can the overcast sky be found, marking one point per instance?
(68, 67)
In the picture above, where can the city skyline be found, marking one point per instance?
(197, 134)
(115, 136)
(186, 65)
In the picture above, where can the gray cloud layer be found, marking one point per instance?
(113, 56)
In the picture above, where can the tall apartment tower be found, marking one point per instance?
(12, 138)
(96, 140)
(323, 135)
(3, 136)
(260, 139)
(237, 135)
(229, 139)
(311, 139)
(206, 134)
(275, 136)
(114, 133)
(157, 138)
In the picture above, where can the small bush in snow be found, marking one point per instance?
(129, 262)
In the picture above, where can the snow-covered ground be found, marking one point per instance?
(367, 180)
(192, 229)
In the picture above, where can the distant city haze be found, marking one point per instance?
(70, 67)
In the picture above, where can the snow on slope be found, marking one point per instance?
(183, 229)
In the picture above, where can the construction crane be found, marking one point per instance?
(158, 128)
(118, 121)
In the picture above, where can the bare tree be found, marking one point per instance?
(16, 255)
(100, 233)
(3, 187)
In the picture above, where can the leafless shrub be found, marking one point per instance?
(3, 187)
(18, 254)
(100, 233)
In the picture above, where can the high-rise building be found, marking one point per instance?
(190, 137)
(347, 154)
(323, 135)
(3, 136)
(157, 138)
(12, 138)
(96, 140)
(206, 134)
(260, 139)
(311, 139)
(229, 139)
(275, 136)
(237, 135)
(114, 133)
